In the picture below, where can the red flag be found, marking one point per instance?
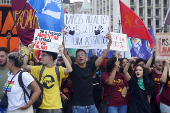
(132, 25)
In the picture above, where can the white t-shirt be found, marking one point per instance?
(15, 92)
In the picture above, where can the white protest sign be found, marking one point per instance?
(47, 40)
(119, 42)
(86, 31)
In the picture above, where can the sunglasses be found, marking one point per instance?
(158, 61)
(79, 55)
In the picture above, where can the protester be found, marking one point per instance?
(140, 61)
(82, 80)
(3, 72)
(165, 98)
(118, 102)
(16, 100)
(3, 66)
(51, 95)
(59, 61)
(155, 75)
(140, 89)
(32, 62)
(67, 91)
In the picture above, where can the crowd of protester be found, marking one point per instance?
(140, 86)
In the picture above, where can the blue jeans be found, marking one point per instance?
(118, 109)
(85, 109)
(2, 110)
(164, 108)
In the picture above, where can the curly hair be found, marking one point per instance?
(145, 79)
(110, 64)
(17, 58)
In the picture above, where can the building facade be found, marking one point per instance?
(152, 12)
(5, 2)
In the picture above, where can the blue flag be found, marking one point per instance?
(49, 13)
(136, 45)
(91, 52)
(145, 51)
(152, 34)
(99, 53)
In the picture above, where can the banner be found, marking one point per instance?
(136, 45)
(162, 46)
(47, 40)
(6, 23)
(86, 31)
(132, 25)
(27, 22)
(119, 42)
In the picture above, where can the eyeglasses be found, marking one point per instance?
(79, 55)
(43, 55)
(158, 62)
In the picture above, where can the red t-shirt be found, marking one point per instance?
(117, 99)
(68, 88)
(157, 83)
(165, 95)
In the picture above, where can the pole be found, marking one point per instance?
(18, 17)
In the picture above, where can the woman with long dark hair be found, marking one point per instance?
(140, 89)
(110, 78)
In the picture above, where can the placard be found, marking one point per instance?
(47, 40)
(162, 46)
(86, 31)
(119, 42)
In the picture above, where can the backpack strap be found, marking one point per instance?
(41, 72)
(58, 75)
(161, 89)
(112, 90)
(23, 87)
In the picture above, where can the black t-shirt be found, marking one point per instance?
(83, 84)
(138, 101)
(97, 90)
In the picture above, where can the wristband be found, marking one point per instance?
(110, 43)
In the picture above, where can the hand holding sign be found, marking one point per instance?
(61, 49)
(30, 47)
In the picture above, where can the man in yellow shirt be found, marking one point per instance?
(51, 95)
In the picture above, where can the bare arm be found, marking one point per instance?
(111, 78)
(164, 74)
(148, 64)
(36, 92)
(68, 66)
(26, 58)
(8, 37)
(104, 55)
(65, 51)
(125, 71)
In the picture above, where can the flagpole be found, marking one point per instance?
(18, 17)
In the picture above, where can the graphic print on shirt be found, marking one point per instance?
(119, 83)
(9, 87)
(48, 81)
(157, 80)
(168, 85)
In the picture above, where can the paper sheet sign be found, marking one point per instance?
(47, 40)
(119, 42)
(86, 31)
(162, 46)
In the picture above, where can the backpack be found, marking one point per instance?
(38, 102)
(152, 86)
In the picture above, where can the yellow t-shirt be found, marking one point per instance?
(51, 93)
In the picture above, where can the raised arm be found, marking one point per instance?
(163, 79)
(65, 51)
(36, 92)
(68, 66)
(111, 78)
(148, 64)
(8, 37)
(26, 58)
(125, 71)
(104, 55)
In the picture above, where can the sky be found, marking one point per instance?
(77, 0)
